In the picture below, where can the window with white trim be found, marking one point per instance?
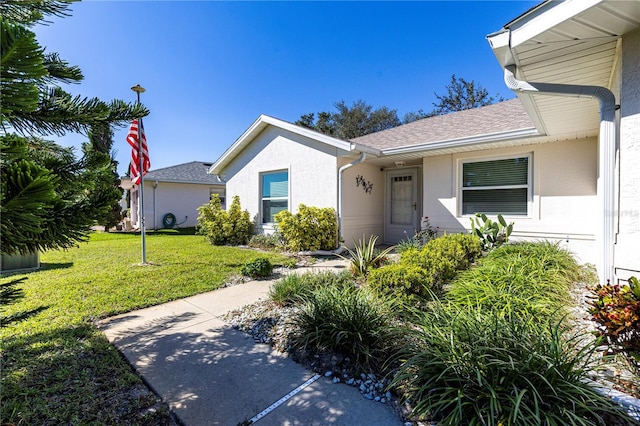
(274, 194)
(501, 186)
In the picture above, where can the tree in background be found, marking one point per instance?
(46, 199)
(350, 122)
(361, 119)
(102, 173)
(462, 95)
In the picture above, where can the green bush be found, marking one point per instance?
(296, 287)
(530, 280)
(421, 273)
(211, 220)
(442, 257)
(469, 366)
(349, 321)
(403, 281)
(222, 227)
(312, 228)
(239, 226)
(258, 268)
(471, 246)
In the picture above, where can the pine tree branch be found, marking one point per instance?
(30, 12)
(60, 71)
(59, 113)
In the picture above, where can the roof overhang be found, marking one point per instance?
(414, 154)
(265, 121)
(566, 42)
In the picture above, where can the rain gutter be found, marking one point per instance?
(607, 156)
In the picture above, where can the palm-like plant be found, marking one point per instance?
(365, 255)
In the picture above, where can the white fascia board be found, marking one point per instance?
(237, 146)
(186, 182)
(263, 121)
(545, 18)
(465, 142)
(499, 43)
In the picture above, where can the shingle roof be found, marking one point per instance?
(193, 172)
(496, 118)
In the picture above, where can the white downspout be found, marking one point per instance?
(363, 156)
(606, 162)
(155, 222)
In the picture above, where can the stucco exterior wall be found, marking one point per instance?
(181, 199)
(564, 202)
(312, 170)
(363, 211)
(627, 250)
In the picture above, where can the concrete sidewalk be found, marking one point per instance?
(211, 374)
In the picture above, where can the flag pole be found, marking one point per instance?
(139, 89)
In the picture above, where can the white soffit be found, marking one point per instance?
(571, 42)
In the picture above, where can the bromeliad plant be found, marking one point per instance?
(365, 256)
(616, 310)
(492, 234)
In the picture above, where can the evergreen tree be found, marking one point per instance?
(46, 200)
(102, 172)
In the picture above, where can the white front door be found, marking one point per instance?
(402, 205)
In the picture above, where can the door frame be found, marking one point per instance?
(389, 173)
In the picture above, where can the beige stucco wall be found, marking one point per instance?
(363, 212)
(627, 250)
(181, 199)
(564, 203)
(312, 170)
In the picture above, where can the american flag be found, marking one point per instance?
(132, 139)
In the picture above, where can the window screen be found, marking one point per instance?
(496, 187)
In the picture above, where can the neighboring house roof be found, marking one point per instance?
(193, 172)
(504, 118)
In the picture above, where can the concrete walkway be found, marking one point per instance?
(211, 374)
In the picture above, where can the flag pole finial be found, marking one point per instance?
(138, 89)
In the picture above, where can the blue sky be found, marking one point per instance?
(211, 68)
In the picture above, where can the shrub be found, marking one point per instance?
(348, 321)
(294, 287)
(443, 257)
(211, 220)
(471, 246)
(421, 273)
(258, 268)
(530, 280)
(402, 281)
(365, 256)
(238, 227)
(470, 366)
(312, 228)
(616, 310)
(221, 227)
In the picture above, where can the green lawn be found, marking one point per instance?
(57, 368)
